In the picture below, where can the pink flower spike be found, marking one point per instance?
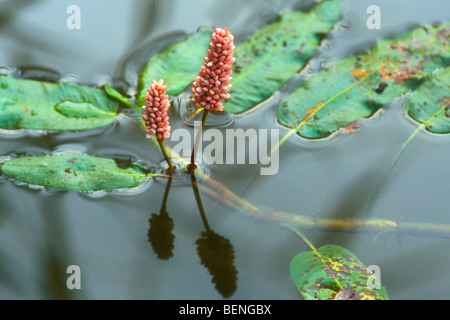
(155, 111)
(213, 81)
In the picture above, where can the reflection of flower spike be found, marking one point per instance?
(155, 111)
(217, 255)
(160, 233)
(216, 252)
(213, 81)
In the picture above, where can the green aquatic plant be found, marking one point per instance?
(155, 116)
(78, 172)
(334, 273)
(213, 81)
(39, 105)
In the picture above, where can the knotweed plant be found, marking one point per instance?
(213, 81)
(155, 115)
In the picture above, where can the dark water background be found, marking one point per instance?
(42, 232)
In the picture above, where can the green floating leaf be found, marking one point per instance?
(113, 93)
(78, 172)
(29, 104)
(275, 53)
(335, 274)
(358, 86)
(177, 65)
(430, 103)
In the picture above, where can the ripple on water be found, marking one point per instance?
(187, 111)
(181, 176)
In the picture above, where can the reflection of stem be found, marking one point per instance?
(166, 194)
(198, 137)
(163, 149)
(199, 202)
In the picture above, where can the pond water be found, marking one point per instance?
(105, 234)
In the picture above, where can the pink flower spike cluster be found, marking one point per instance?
(155, 111)
(213, 81)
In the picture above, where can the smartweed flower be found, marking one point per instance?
(213, 81)
(155, 111)
(155, 115)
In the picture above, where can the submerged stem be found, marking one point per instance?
(199, 201)
(166, 193)
(296, 221)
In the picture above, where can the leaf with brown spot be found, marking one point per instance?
(86, 173)
(430, 103)
(335, 274)
(276, 52)
(393, 66)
